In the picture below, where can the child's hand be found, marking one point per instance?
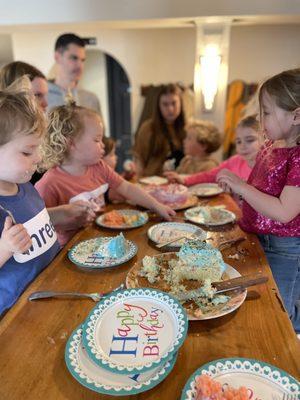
(230, 182)
(173, 177)
(165, 211)
(14, 238)
(77, 214)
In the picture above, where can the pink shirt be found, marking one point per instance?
(236, 164)
(57, 187)
(274, 169)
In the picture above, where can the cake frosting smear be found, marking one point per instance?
(113, 248)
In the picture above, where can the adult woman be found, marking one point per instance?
(12, 71)
(161, 137)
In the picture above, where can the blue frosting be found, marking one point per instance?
(114, 248)
(201, 254)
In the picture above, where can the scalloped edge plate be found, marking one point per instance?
(83, 370)
(95, 262)
(92, 326)
(99, 220)
(231, 217)
(180, 226)
(261, 375)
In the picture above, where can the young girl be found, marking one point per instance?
(248, 144)
(202, 139)
(272, 194)
(28, 240)
(73, 149)
(110, 156)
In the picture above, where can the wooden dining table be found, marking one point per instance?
(33, 334)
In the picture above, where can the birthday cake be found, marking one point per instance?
(113, 248)
(188, 274)
(209, 389)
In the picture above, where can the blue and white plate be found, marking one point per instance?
(210, 216)
(139, 218)
(92, 376)
(262, 380)
(166, 231)
(83, 254)
(134, 331)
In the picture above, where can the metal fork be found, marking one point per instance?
(9, 213)
(93, 296)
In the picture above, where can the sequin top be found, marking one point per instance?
(274, 169)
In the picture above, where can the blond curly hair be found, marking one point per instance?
(19, 112)
(65, 123)
(207, 134)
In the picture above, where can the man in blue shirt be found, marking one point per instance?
(69, 58)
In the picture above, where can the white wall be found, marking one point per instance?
(63, 11)
(94, 79)
(257, 52)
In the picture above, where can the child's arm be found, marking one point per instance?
(282, 209)
(14, 239)
(138, 196)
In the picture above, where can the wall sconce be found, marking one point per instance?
(210, 63)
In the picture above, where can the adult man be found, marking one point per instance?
(69, 58)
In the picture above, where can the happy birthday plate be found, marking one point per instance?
(135, 330)
(100, 380)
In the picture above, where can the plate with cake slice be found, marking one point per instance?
(210, 215)
(102, 252)
(188, 275)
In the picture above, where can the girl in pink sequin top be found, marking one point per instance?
(272, 194)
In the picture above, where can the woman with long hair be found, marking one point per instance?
(161, 137)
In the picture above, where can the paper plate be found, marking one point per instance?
(153, 180)
(82, 254)
(210, 216)
(100, 380)
(165, 231)
(263, 381)
(134, 331)
(134, 280)
(142, 219)
(205, 189)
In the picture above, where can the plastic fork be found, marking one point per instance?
(198, 234)
(93, 296)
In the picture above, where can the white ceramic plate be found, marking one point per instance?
(100, 380)
(165, 231)
(203, 215)
(205, 189)
(83, 254)
(135, 330)
(142, 219)
(153, 180)
(263, 381)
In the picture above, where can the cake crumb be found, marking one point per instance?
(50, 340)
(234, 256)
(63, 335)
